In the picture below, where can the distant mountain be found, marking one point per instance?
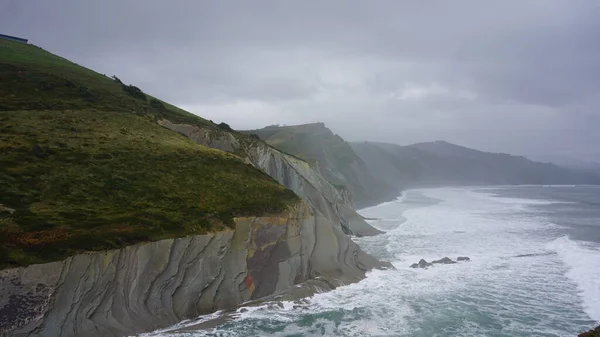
(591, 162)
(441, 163)
(332, 156)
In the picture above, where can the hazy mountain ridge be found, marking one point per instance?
(441, 163)
(590, 161)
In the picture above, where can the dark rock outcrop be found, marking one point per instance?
(446, 260)
(422, 264)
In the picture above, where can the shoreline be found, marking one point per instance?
(402, 203)
(399, 198)
(381, 216)
(309, 287)
(297, 293)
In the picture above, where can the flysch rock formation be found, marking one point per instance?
(446, 260)
(153, 285)
(297, 175)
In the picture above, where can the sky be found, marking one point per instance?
(521, 77)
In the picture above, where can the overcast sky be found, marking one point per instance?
(511, 76)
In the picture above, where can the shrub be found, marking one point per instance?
(86, 94)
(134, 91)
(117, 79)
(225, 126)
(254, 136)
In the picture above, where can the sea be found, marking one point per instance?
(534, 270)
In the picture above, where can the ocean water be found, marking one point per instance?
(534, 270)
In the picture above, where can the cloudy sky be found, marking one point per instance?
(511, 76)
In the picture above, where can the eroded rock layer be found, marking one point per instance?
(154, 285)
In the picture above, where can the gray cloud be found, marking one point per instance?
(518, 77)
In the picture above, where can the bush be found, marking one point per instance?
(225, 126)
(254, 136)
(117, 79)
(156, 104)
(86, 94)
(134, 91)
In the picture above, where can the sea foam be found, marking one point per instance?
(583, 262)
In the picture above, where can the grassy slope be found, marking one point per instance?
(85, 167)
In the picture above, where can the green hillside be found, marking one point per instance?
(84, 166)
(333, 156)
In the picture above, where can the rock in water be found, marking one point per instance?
(445, 260)
(422, 264)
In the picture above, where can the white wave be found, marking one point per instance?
(183, 324)
(520, 201)
(398, 200)
(496, 286)
(583, 262)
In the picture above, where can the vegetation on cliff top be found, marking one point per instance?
(592, 333)
(84, 166)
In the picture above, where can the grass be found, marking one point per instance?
(84, 166)
(34, 79)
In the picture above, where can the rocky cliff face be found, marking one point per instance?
(332, 156)
(154, 285)
(335, 203)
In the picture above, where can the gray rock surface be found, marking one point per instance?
(422, 264)
(445, 260)
(297, 175)
(153, 285)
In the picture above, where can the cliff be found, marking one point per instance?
(331, 156)
(111, 224)
(152, 285)
(294, 173)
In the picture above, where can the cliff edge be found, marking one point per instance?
(153, 285)
(112, 225)
(290, 171)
